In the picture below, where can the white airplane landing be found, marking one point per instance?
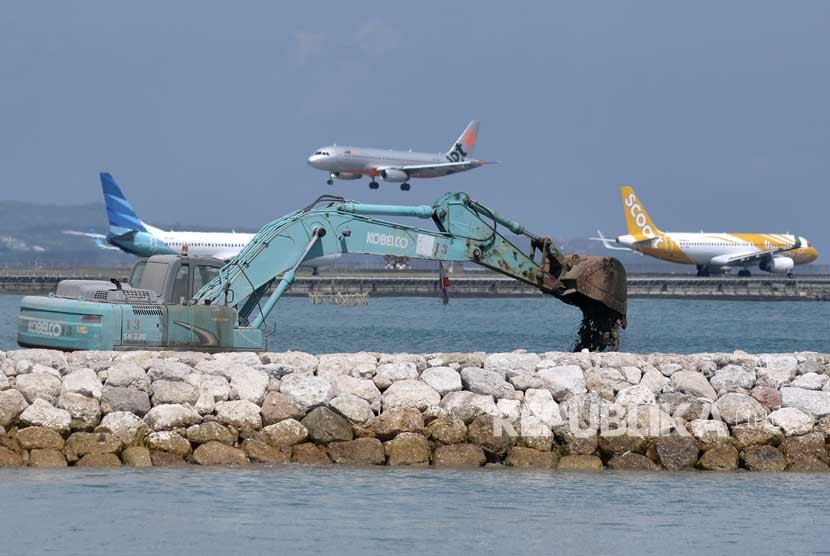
(352, 163)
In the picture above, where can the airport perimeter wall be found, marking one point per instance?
(492, 285)
(555, 411)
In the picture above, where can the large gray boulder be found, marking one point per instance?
(654, 380)
(388, 373)
(249, 384)
(779, 362)
(285, 433)
(5, 384)
(299, 361)
(810, 381)
(487, 382)
(83, 381)
(170, 416)
(85, 412)
(694, 384)
(361, 364)
(540, 404)
(324, 426)
(278, 407)
(419, 360)
(563, 381)
(307, 391)
(124, 425)
(410, 393)
(43, 414)
(240, 414)
(733, 378)
(128, 375)
(634, 396)
(467, 405)
(117, 398)
(774, 378)
(361, 387)
(12, 404)
(174, 392)
(95, 360)
(811, 402)
(214, 386)
(166, 369)
(791, 421)
(517, 362)
(442, 379)
(43, 386)
(708, 431)
(734, 408)
(356, 410)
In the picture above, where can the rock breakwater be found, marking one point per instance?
(569, 411)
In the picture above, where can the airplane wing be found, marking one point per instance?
(607, 244)
(441, 169)
(99, 238)
(93, 235)
(745, 258)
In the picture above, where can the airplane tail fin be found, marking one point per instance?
(464, 145)
(636, 218)
(120, 213)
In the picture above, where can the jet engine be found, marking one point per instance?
(777, 264)
(393, 174)
(347, 176)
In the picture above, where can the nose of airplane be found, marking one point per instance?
(812, 252)
(313, 159)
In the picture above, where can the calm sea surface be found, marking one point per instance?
(353, 511)
(425, 325)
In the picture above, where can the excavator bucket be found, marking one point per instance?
(597, 285)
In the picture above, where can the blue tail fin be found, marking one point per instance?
(120, 213)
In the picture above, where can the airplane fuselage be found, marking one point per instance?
(714, 250)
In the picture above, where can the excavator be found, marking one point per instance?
(179, 302)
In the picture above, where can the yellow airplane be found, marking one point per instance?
(777, 253)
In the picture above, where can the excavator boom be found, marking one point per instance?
(467, 231)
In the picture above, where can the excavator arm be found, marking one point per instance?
(466, 231)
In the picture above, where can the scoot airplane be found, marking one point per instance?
(132, 235)
(777, 253)
(352, 163)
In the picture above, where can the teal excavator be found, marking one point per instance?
(187, 303)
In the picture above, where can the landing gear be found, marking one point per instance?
(373, 184)
(744, 273)
(702, 270)
(405, 186)
(790, 275)
(330, 181)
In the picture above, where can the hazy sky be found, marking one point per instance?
(205, 112)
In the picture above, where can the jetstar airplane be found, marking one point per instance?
(132, 235)
(352, 163)
(777, 253)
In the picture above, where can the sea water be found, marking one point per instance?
(359, 511)
(422, 325)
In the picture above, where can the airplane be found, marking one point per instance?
(352, 163)
(132, 235)
(774, 253)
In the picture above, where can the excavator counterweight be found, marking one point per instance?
(229, 311)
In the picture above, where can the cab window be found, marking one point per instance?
(180, 284)
(202, 275)
(135, 275)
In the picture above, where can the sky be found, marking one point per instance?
(205, 111)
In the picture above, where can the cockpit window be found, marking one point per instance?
(324, 153)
